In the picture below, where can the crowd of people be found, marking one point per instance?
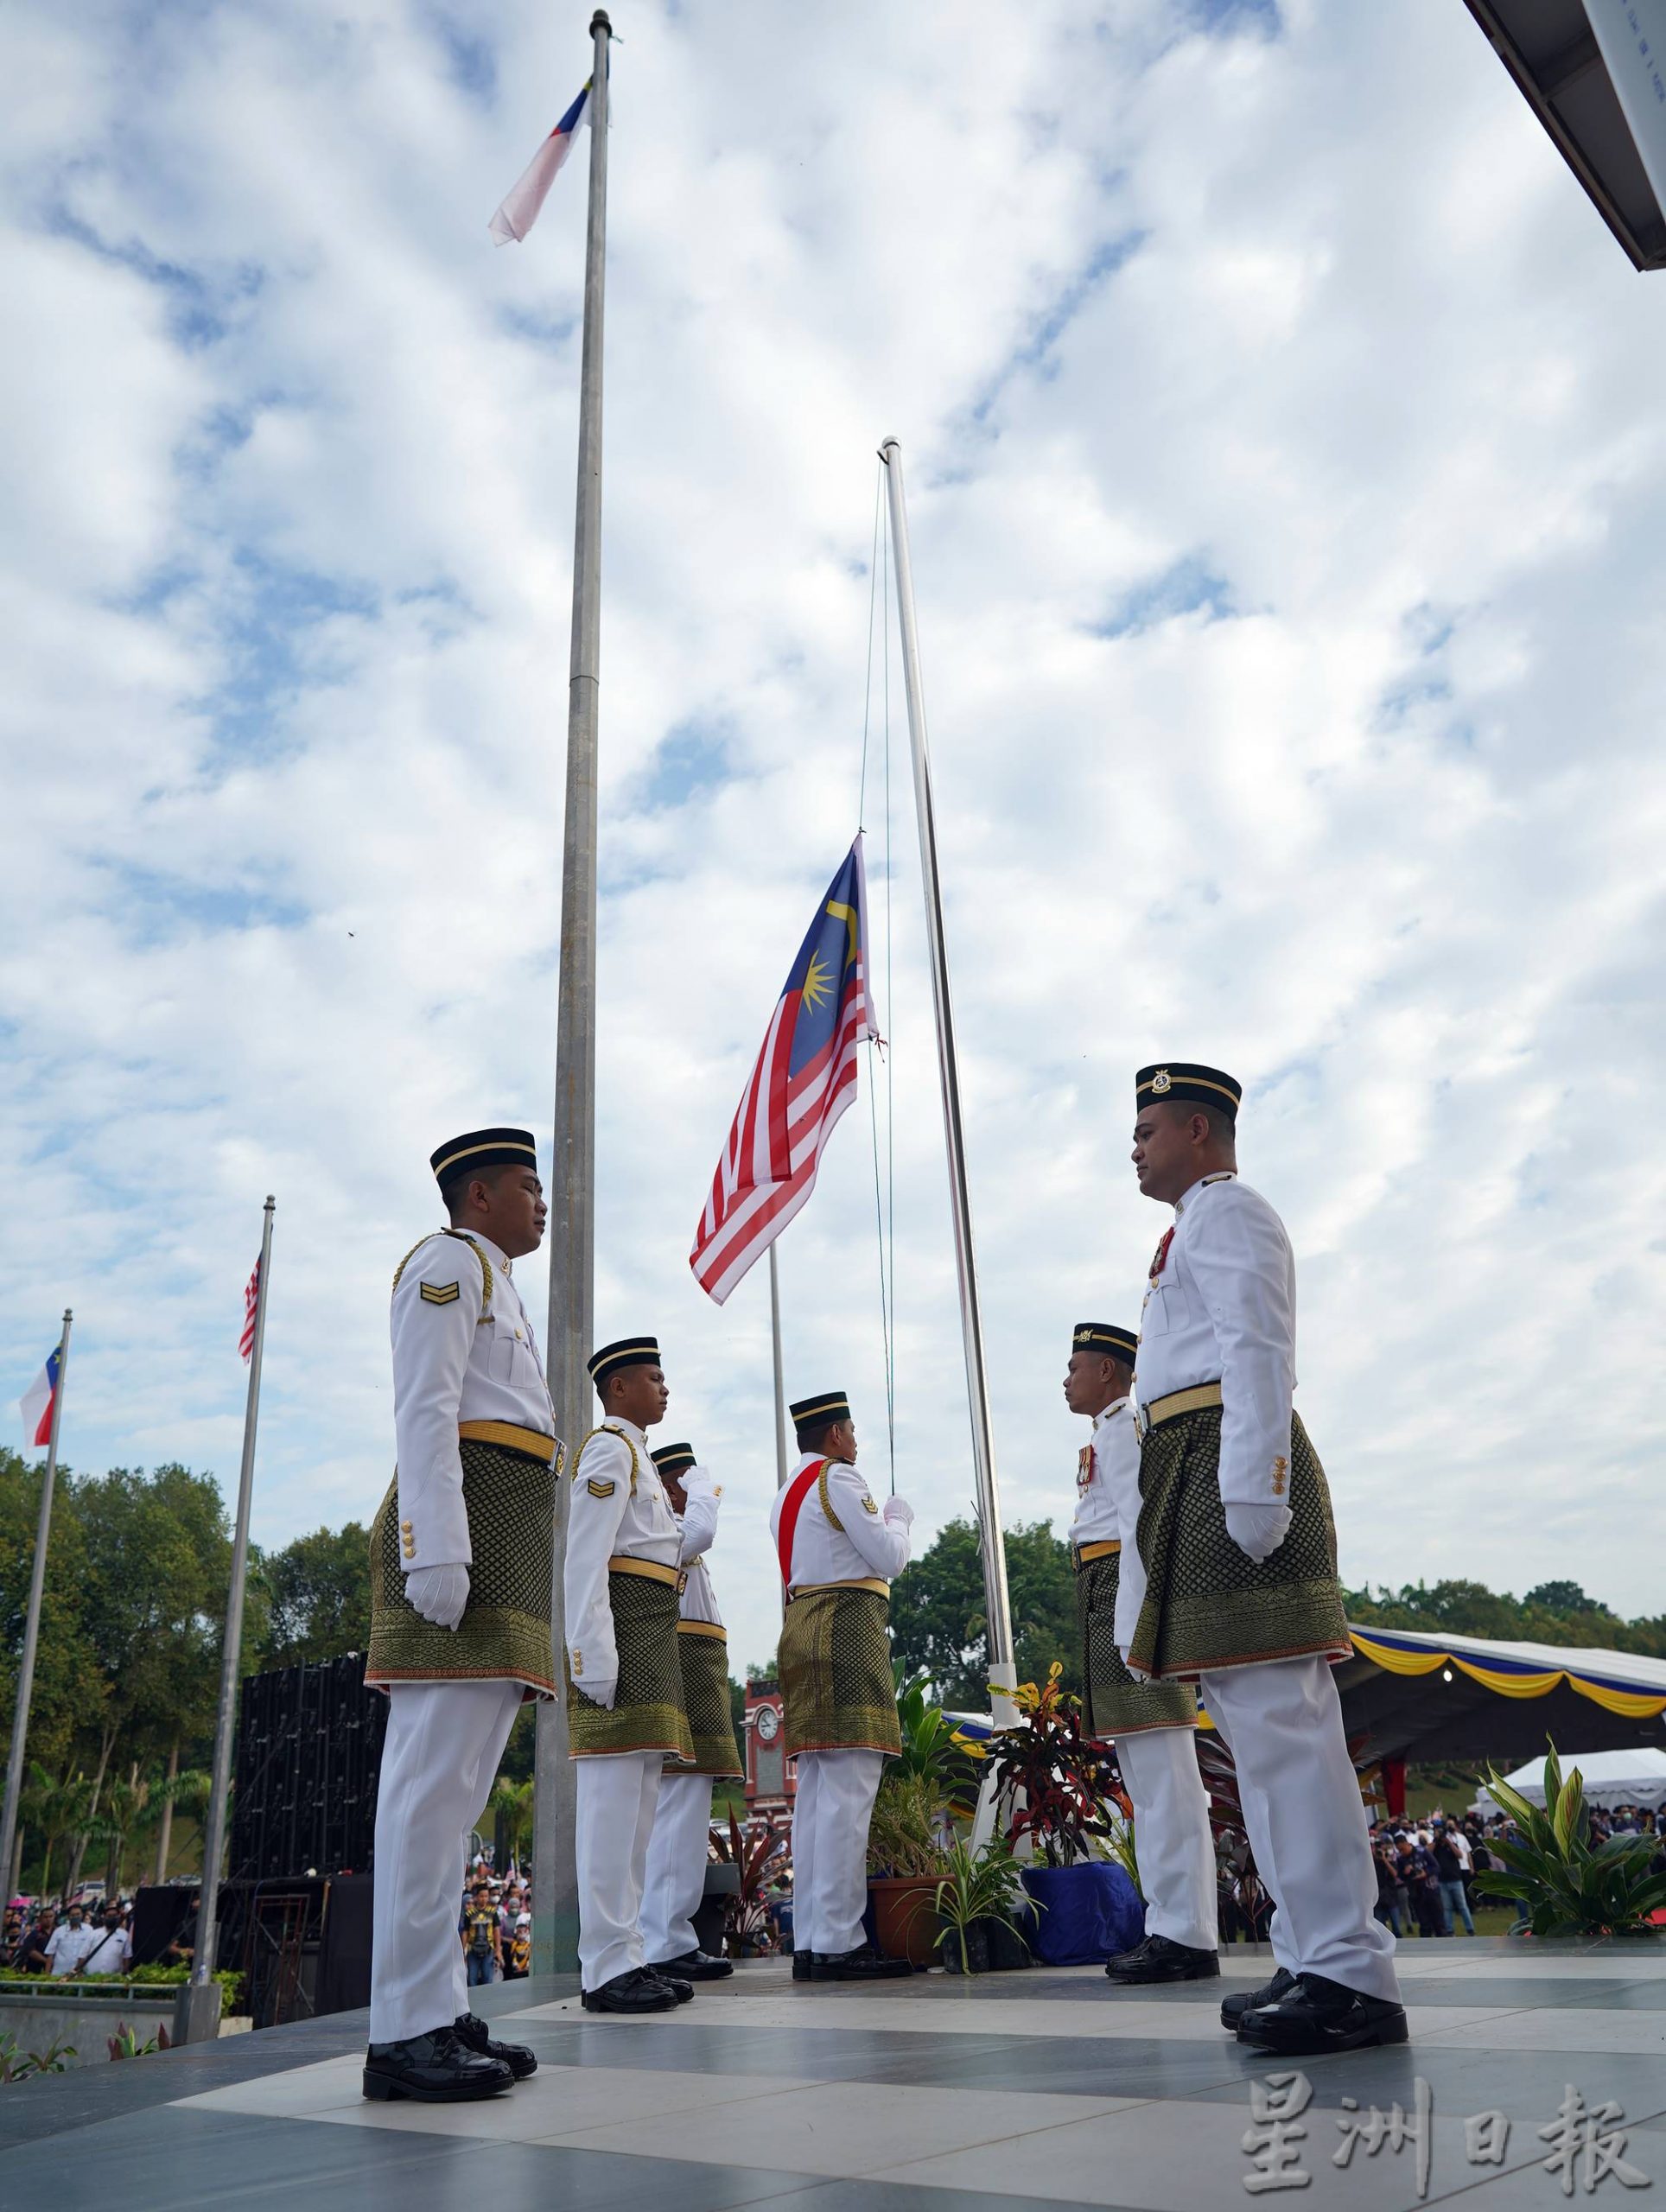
(88, 1940)
(495, 1928)
(1425, 1869)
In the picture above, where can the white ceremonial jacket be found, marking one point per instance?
(1108, 1480)
(698, 1526)
(864, 1547)
(617, 1508)
(1221, 1308)
(461, 1351)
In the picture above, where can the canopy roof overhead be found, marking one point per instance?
(1465, 1698)
(1611, 1779)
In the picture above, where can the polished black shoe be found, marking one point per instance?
(803, 1964)
(634, 1992)
(1234, 2007)
(1158, 1960)
(437, 2069)
(693, 1966)
(470, 2029)
(680, 1990)
(1320, 2015)
(863, 1964)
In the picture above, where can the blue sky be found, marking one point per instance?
(1286, 475)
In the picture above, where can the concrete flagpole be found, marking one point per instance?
(197, 2017)
(572, 1170)
(781, 1469)
(32, 1626)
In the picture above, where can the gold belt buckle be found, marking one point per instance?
(1142, 1421)
(681, 1581)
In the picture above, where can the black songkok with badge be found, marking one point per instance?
(477, 1148)
(629, 1351)
(1101, 1337)
(821, 1411)
(1184, 1082)
(674, 1460)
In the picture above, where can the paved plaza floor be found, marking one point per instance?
(1535, 2073)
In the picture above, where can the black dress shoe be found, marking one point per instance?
(680, 1990)
(802, 1966)
(1320, 2015)
(632, 1991)
(470, 2029)
(693, 1966)
(1233, 2008)
(437, 2069)
(863, 1964)
(1158, 1960)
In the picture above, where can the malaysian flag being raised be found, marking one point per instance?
(804, 1078)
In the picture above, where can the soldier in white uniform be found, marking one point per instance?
(839, 1552)
(461, 1563)
(1154, 1724)
(679, 1850)
(1238, 1546)
(625, 1716)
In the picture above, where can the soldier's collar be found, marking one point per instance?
(1115, 1407)
(1215, 1175)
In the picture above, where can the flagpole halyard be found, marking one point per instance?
(572, 1172)
(32, 1627)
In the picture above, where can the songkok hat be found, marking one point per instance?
(674, 1458)
(629, 1351)
(1185, 1080)
(483, 1148)
(1109, 1343)
(821, 1411)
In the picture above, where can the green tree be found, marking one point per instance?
(319, 1591)
(938, 1617)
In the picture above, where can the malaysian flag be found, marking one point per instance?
(251, 1307)
(804, 1078)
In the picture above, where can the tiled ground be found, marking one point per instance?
(1035, 2089)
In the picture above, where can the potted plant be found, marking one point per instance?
(905, 1863)
(1568, 1887)
(756, 1860)
(1063, 1789)
(983, 1908)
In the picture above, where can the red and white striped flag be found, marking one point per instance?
(804, 1078)
(251, 1307)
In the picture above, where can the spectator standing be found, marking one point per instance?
(1449, 1874)
(113, 1954)
(517, 1947)
(70, 1944)
(482, 1942)
(1388, 1891)
(32, 1954)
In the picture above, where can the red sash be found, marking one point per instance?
(797, 1490)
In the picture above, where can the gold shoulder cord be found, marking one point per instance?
(463, 1237)
(411, 1254)
(606, 1428)
(827, 1502)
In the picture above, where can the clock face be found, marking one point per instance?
(768, 1723)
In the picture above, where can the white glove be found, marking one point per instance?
(602, 1694)
(699, 1482)
(1258, 1529)
(439, 1593)
(897, 1509)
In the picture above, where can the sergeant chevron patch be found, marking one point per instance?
(599, 1490)
(441, 1293)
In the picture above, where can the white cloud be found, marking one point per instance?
(1283, 449)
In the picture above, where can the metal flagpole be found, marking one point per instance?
(780, 1379)
(214, 1843)
(991, 1542)
(572, 1179)
(32, 1627)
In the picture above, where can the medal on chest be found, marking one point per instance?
(1084, 1467)
(1160, 1257)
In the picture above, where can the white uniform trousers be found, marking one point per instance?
(1306, 1823)
(616, 1796)
(439, 1761)
(1170, 1835)
(830, 1847)
(678, 1854)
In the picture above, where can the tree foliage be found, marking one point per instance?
(937, 1613)
(1551, 1612)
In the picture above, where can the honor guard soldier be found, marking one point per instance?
(839, 1553)
(461, 1563)
(1238, 1548)
(1154, 1724)
(624, 1680)
(679, 1850)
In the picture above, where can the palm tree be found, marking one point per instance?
(512, 1802)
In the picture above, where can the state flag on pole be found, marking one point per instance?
(250, 1306)
(804, 1078)
(520, 210)
(36, 1403)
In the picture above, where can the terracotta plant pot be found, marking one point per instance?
(905, 1916)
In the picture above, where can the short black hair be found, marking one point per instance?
(453, 1193)
(1223, 1126)
(815, 1439)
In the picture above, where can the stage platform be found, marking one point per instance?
(1035, 2089)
